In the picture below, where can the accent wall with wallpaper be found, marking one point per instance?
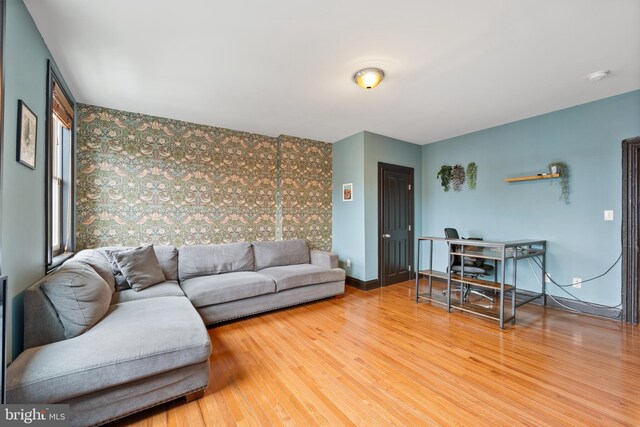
(149, 179)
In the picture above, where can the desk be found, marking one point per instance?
(500, 252)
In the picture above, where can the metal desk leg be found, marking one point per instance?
(501, 308)
(462, 284)
(430, 266)
(513, 290)
(544, 273)
(449, 279)
(418, 272)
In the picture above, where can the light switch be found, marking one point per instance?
(608, 215)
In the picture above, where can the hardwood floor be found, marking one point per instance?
(378, 358)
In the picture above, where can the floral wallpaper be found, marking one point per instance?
(304, 175)
(148, 179)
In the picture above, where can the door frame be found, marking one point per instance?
(2, 38)
(401, 169)
(630, 230)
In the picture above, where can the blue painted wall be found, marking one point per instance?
(378, 148)
(348, 217)
(23, 207)
(581, 244)
(355, 224)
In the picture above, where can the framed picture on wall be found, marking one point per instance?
(347, 192)
(27, 135)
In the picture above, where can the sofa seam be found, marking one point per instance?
(86, 323)
(272, 308)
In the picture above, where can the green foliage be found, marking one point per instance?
(563, 170)
(457, 177)
(472, 175)
(444, 175)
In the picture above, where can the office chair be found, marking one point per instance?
(472, 268)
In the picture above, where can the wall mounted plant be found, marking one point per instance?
(444, 175)
(457, 177)
(563, 169)
(472, 175)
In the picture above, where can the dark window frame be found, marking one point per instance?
(52, 259)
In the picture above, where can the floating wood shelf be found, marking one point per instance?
(532, 177)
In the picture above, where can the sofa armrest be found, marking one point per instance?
(324, 259)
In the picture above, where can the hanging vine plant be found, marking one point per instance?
(563, 169)
(457, 177)
(444, 175)
(472, 175)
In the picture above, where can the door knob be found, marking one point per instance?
(386, 236)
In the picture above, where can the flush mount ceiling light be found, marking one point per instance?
(368, 78)
(598, 75)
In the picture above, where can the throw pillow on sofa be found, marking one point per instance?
(79, 295)
(99, 261)
(140, 267)
(121, 281)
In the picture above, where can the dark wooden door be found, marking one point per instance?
(395, 223)
(631, 230)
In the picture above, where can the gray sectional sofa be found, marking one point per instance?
(109, 353)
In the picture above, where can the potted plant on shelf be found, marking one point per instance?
(562, 169)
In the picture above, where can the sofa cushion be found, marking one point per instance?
(140, 267)
(205, 260)
(285, 252)
(295, 276)
(170, 288)
(79, 295)
(134, 341)
(220, 288)
(99, 261)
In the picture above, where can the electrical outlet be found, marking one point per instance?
(547, 278)
(576, 282)
(348, 263)
(608, 215)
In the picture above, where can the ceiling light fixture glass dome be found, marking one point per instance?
(368, 78)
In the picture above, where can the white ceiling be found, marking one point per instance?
(285, 66)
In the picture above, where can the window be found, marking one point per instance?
(56, 187)
(60, 174)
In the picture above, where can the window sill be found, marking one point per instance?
(58, 260)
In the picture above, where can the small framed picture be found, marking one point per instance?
(27, 135)
(347, 192)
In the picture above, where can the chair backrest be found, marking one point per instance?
(451, 233)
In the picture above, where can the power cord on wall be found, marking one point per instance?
(537, 261)
(562, 288)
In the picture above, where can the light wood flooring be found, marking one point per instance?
(377, 358)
